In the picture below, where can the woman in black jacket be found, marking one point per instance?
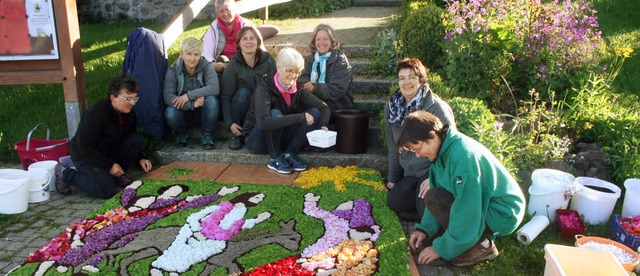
(245, 70)
(327, 72)
(281, 114)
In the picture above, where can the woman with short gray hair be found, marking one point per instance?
(282, 112)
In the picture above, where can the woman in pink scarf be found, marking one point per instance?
(220, 38)
(282, 111)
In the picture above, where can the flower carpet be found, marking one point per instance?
(335, 222)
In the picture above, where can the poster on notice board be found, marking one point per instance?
(27, 30)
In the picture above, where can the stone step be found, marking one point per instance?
(375, 157)
(376, 3)
(375, 86)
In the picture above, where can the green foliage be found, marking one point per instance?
(422, 33)
(306, 8)
(384, 54)
(471, 115)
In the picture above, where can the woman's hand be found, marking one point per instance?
(219, 66)
(424, 187)
(116, 170)
(198, 102)
(390, 185)
(324, 128)
(236, 129)
(308, 85)
(309, 118)
(428, 255)
(179, 102)
(416, 239)
(145, 164)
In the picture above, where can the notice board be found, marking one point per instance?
(27, 30)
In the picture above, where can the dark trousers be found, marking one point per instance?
(403, 199)
(98, 182)
(289, 139)
(240, 105)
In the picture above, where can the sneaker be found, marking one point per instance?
(280, 165)
(62, 187)
(123, 181)
(295, 162)
(484, 250)
(235, 143)
(182, 140)
(207, 141)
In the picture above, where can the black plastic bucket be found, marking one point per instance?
(352, 126)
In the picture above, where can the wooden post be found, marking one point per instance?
(73, 80)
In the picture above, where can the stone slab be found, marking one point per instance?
(255, 174)
(201, 171)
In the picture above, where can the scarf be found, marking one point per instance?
(230, 35)
(322, 60)
(286, 93)
(398, 111)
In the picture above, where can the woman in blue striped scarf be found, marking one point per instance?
(327, 73)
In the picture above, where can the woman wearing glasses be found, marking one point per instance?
(408, 174)
(327, 73)
(282, 111)
(105, 144)
(245, 70)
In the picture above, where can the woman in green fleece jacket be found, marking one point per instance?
(471, 197)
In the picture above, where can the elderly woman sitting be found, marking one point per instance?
(281, 113)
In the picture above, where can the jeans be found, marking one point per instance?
(289, 139)
(240, 104)
(206, 116)
(97, 181)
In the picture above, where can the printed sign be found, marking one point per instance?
(27, 30)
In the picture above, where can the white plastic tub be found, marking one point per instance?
(596, 206)
(321, 138)
(49, 166)
(631, 204)
(38, 185)
(14, 198)
(550, 190)
(567, 260)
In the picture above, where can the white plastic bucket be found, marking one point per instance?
(49, 166)
(631, 204)
(39, 185)
(596, 206)
(14, 198)
(549, 191)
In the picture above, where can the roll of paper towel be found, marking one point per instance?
(532, 229)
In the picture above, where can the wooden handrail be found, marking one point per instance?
(190, 11)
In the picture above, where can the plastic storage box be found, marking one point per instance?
(568, 260)
(569, 231)
(322, 139)
(622, 236)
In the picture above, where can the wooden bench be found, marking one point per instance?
(190, 11)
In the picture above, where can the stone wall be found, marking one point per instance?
(161, 11)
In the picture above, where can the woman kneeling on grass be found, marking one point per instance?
(281, 114)
(471, 195)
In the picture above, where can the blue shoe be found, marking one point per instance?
(207, 141)
(295, 162)
(280, 165)
(182, 140)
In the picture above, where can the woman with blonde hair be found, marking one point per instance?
(282, 112)
(244, 72)
(327, 73)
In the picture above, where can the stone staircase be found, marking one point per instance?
(370, 94)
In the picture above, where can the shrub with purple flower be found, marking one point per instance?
(495, 48)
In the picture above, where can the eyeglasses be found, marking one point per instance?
(129, 99)
(291, 72)
(417, 149)
(408, 78)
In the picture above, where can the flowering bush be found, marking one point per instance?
(495, 48)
